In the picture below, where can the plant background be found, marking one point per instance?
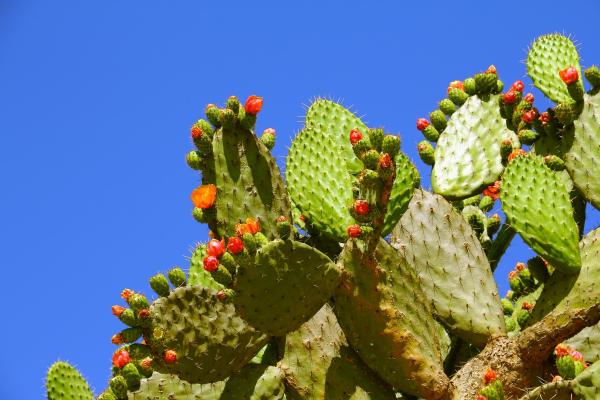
(96, 102)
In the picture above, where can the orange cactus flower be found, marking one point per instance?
(253, 225)
(241, 229)
(493, 190)
(204, 196)
(516, 153)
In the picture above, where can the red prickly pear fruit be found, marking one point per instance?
(569, 75)
(545, 117)
(241, 229)
(520, 266)
(215, 248)
(527, 306)
(529, 98)
(530, 116)
(222, 295)
(481, 397)
(361, 207)
(490, 375)
(170, 357)
(354, 231)
(513, 274)
(562, 350)
(253, 225)
(422, 123)
(493, 190)
(121, 358)
(355, 136)
(211, 263)
(144, 313)
(491, 70)
(253, 105)
(577, 356)
(146, 363)
(117, 310)
(196, 132)
(126, 293)
(117, 339)
(235, 245)
(517, 86)
(509, 97)
(204, 196)
(455, 85)
(385, 161)
(516, 153)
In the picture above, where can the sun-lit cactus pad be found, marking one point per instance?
(349, 280)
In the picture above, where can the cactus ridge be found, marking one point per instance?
(548, 55)
(582, 150)
(385, 291)
(467, 155)
(538, 206)
(210, 339)
(64, 382)
(285, 286)
(452, 267)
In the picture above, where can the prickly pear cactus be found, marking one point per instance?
(300, 291)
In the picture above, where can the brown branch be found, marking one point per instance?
(537, 342)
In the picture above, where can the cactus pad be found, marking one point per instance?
(467, 155)
(547, 56)
(64, 382)
(248, 181)
(587, 342)
(285, 287)
(538, 207)
(399, 341)
(454, 272)
(210, 339)
(323, 198)
(318, 363)
(567, 291)
(407, 178)
(582, 150)
(587, 384)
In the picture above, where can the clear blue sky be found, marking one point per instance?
(96, 102)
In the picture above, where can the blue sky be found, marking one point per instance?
(97, 99)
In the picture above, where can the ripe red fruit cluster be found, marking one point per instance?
(117, 339)
(235, 245)
(527, 306)
(196, 132)
(529, 116)
(169, 357)
(569, 75)
(545, 117)
(509, 97)
(253, 105)
(520, 266)
(354, 231)
(121, 358)
(215, 248)
(517, 86)
(422, 123)
(361, 207)
(211, 263)
(493, 190)
(513, 274)
(529, 98)
(385, 161)
(490, 375)
(355, 136)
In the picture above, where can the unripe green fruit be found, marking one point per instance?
(177, 277)
(566, 113)
(507, 306)
(246, 120)
(118, 385)
(201, 215)
(261, 239)
(499, 86)
(194, 160)
(160, 285)
(522, 317)
(370, 179)
(233, 104)
(592, 74)
(137, 302)
(554, 162)
(370, 159)
(222, 275)
(249, 242)
(228, 261)
(470, 86)
(268, 140)
(511, 324)
(438, 120)
(227, 118)
(516, 285)
(486, 203)
(361, 147)
(446, 106)
(493, 224)
(458, 96)
(426, 152)
(566, 367)
(528, 137)
(131, 335)
(431, 133)
(376, 136)
(493, 391)
(128, 317)
(107, 395)
(132, 377)
(391, 145)
(212, 114)
(486, 83)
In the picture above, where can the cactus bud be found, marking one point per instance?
(391, 145)
(431, 133)
(426, 152)
(554, 162)
(121, 358)
(146, 363)
(354, 231)
(222, 275)
(177, 276)
(128, 317)
(470, 86)
(233, 104)
(199, 215)
(522, 317)
(562, 350)
(235, 245)
(204, 196)
(491, 70)
(126, 293)
(507, 306)
(566, 113)
(592, 74)
(130, 335)
(132, 377)
(212, 114)
(517, 86)
(211, 263)
(137, 301)
(215, 248)
(446, 106)
(376, 136)
(253, 105)
(355, 136)
(194, 160)
(117, 339)
(159, 284)
(253, 225)
(458, 96)
(516, 153)
(438, 120)
(527, 136)
(268, 138)
(485, 83)
(370, 159)
(493, 224)
(569, 75)
(455, 85)
(118, 385)
(117, 310)
(170, 357)
(486, 203)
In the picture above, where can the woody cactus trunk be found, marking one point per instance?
(348, 280)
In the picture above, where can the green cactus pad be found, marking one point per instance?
(552, 145)
(537, 205)
(64, 382)
(407, 178)
(210, 339)
(285, 287)
(319, 183)
(255, 382)
(582, 150)
(248, 181)
(587, 342)
(568, 291)
(387, 320)
(547, 56)
(467, 155)
(318, 364)
(330, 119)
(453, 269)
(587, 384)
